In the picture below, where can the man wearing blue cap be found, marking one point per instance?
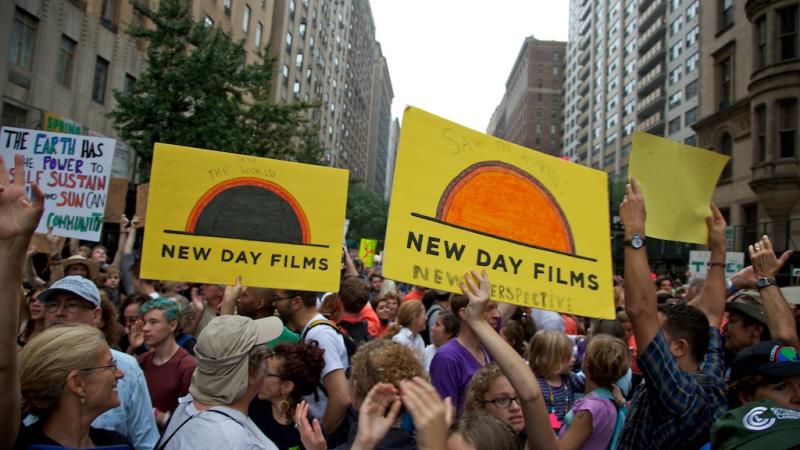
(75, 299)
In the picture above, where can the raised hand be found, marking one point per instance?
(716, 229)
(432, 415)
(477, 288)
(231, 295)
(310, 433)
(198, 301)
(136, 335)
(765, 263)
(20, 215)
(377, 414)
(632, 209)
(136, 222)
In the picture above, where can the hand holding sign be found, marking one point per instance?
(20, 216)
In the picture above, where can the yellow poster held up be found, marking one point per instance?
(212, 216)
(676, 207)
(538, 224)
(366, 251)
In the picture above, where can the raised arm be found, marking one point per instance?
(20, 217)
(55, 248)
(231, 295)
(121, 241)
(640, 292)
(540, 434)
(712, 299)
(30, 272)
(780, 319)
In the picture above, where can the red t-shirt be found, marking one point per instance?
(373, 322)
(169, 381)
(413, 295)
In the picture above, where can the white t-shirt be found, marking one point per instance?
(430, 352)
(409, 339)
(335, 357)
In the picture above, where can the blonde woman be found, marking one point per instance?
(411, 320)
(68, 378)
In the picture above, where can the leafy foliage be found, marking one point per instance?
(197, 90)
(367, 212)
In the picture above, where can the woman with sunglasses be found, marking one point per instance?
(34, 320)
(68, 377)
(293, 371)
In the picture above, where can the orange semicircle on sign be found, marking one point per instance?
(249, 208)
(501, 200)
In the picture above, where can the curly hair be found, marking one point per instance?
(479, 386)
(606, 360)
(383, 361)
(302, 365)
(110, 328)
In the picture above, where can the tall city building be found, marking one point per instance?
(391, 159)
(749, 91)
(65, 57)
(326, 54)
(631, 65)
(380, 124)
(530, 112)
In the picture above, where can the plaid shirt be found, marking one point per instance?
(675, 409)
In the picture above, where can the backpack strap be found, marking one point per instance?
(163, 445)
(319, 322)
(622, 413)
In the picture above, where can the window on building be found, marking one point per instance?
(611, 122)
(227, 5)
(66, 58)
(760, 30)
(130, 80)
(208, 22)
(555, 70)
(675, 50)
(611, 139)
(541, 68)
(296, 88)
(760, 152)
(691, 62)
(675, 99)
(259, 32)
(14, 116)
(691, 36)
(556, 56)
(553, 113)
(725, 13)
(726, 148)
(285, 74)
(288, 42)
(308, 74)
(724, 83)
(675, 75)
(303, 29)
(674, 125)
(553, 129)
(691, 140)
(628, 128)
(691, 11)
(787, 128)
(690, 117)
(538, 113)
(787, 33)
(100, 80)
(298, 61)
(23, 39)
(246, 19)
(538, 128)
(108, 14)
(691, 89)
(629, 87)
(630, 107)
(291, 9)
(675, 26)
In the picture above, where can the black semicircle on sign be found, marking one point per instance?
(252, 213)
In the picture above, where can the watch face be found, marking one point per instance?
(637, 241)
(764, 282)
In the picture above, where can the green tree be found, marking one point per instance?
(197, 90)
(367, 212)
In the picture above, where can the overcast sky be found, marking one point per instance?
(452, 57)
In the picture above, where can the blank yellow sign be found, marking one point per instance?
(462, 199)
(677, 181)
(212, 216)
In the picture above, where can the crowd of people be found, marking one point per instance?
(104, 358)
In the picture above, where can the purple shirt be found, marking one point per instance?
(604, 418)
(451, 369)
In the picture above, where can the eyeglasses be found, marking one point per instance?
(502, 402)
(113, 366)
(277, 299)
(70, 306)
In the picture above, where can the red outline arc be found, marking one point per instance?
(209, 195)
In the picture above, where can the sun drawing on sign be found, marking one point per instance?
(251, 209)
(502, 201)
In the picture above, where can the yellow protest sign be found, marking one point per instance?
(677, 181)
(462, 199)
(366, 251)
(213, 215)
